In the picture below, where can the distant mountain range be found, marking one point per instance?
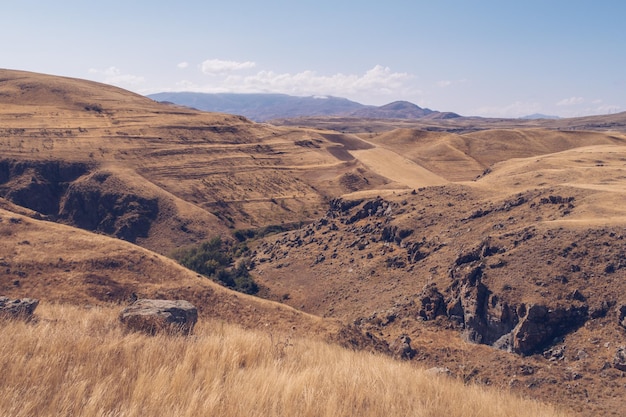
(264, 107)
(539, 116)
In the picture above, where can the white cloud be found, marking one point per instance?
(377, 85)
(571, 101)
(183, 65)
(379, 81)
(114, 75)
(220, 67)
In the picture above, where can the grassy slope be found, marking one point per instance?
(61, 264)
(80, 362)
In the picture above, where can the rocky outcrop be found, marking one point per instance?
(339, 207)
(541, 325)
(157, 316)
(401, 348)
(483, 316)
(487, 319)
(432, 303)
(378, 208)
(352, 337)
(18, 308)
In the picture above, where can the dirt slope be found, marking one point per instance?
(475, 262)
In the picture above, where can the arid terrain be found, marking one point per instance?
(497, 246)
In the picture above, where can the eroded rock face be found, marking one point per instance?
(38, 185)
(18, 308)
(487, 319)
(90, 205)
(155, 316)
(542, 324)
(484, 317)
(68, 192)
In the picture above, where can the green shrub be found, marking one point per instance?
(214, 259)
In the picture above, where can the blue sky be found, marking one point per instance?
(482, 57)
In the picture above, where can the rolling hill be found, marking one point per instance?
(161, 175)
(496, 246)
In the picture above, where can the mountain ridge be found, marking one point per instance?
(262, 107)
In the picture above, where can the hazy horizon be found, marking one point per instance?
(487, 59)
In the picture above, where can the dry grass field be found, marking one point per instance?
(455, 233)
(79, 362)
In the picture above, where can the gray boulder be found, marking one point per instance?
(160, 316)
(18, 308)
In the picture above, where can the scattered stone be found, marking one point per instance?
(619, 360)
(526, 370)
(555, 353)
(155, 316)
(395, 262)
(319, 259)
(577, 295)
(601, 310)
(572, 374)
(557, 199)
(581, 354)
(18, 308)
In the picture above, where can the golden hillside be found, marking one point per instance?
(80, 362)
(183, 171)
(497, 246)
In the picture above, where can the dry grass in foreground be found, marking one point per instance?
(78, 362)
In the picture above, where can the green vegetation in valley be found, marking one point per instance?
(214, 259)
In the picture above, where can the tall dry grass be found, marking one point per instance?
(78, 362)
